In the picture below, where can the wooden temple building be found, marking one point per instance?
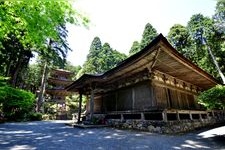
(156, 84)
(57, 82)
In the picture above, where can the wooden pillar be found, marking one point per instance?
(80, 104)
(178, 117)
(190, 114)
(142, 116)
(121, 118)
(164, 115)
(207, 115)
(133, 98)
(200, 117)
(92, 104)
(213, 114)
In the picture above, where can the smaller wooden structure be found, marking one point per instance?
(157, 83)
(57, 82)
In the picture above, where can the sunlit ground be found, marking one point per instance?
(220, 131)
(55, 135)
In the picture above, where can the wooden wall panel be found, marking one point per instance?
(161, 97)
(191, 102)
(174, 101)
(97, 104)
(142, 96)
(109, 102)
(171, 98)
(124, 99)
(184, 101)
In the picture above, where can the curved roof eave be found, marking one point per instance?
(147, 50)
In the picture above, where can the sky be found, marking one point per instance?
(120, 22)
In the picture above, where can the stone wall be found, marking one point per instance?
(163, 127)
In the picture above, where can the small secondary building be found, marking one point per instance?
(153, 86)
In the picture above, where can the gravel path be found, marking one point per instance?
(44, 135)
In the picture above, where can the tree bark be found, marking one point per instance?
(8, 66)
(42, 88)
(215, 61)
(16, 72)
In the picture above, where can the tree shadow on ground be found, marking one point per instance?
(55, 135)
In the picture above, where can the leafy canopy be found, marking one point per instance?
(213, 98)
(134, 48)
(34, 26)
(101, 58)
(179, 37)
(148, 35)
(32, 22)
(190, 41)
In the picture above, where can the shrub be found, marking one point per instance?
(15, 104)
(35, 116)
(48, 117)
(213, 98)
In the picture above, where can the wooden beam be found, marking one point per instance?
(92, 104)
(80, 104)
(187, 63)
(154, 60)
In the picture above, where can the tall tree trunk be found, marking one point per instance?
(17, 69)
(8, 66)
(42, 88)
(214, 61)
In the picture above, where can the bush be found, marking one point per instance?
(35, 116)
(15, 104)
(48, 117)
(213, 98)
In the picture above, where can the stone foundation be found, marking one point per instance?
(165, 121)
(163, 127)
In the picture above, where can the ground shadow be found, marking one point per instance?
(55, 135)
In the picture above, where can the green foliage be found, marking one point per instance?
(34, 116)
(213, 98)
(194, 41)
(148, 35)
(48, 117)
(3, 81)
(32, 78)
(179, 37)
(34, 26)
(73, 69)
(72, 102)
(219, 16)
(15, 103)
(36, 19)
(201, 28)
(50, 108)
(101, 58)
(134, 48)
(90, 66)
